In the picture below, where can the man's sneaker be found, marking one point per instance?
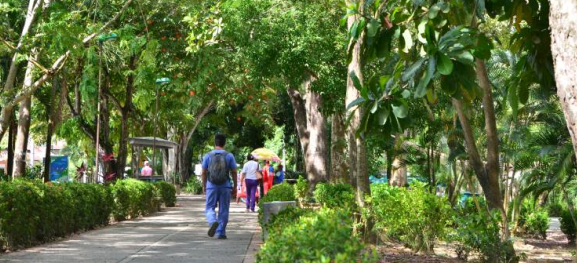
(212, 229)
(221, 237)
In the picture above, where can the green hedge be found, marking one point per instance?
(167, 192)
(321, 236)
(279, 192)
(32, 212)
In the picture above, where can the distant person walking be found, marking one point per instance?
(250, 180)
(218, 166)
(279, 176)
(146, 170)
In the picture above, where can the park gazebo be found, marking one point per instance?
(168, 149)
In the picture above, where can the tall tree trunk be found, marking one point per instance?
(124, 118)
(563, 24)
(185, 149)
(11, 144)
(311, 129)
(339, 167)
(316, 154)
(489, 180)
(23, 125)
(357, 151)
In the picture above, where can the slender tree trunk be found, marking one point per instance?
(11, 144)
(563, 24)
(338, 151)
(23, 125)
(124, 118)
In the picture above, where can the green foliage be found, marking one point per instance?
(334, 196)
(537, 223)
(568, 226)
(132, 198)
(167, 192)
(324, 236)
(415, 217)
(279, 192)
(35, 172)
(33, 212)
(301, 188)
(480, 233)
(555, 209)
(285, 217)
(193, 186)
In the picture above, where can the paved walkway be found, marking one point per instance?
(174, 235)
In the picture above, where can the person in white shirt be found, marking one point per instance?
(250, 179)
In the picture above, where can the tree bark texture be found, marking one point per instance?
(563, 23)
(184, 151)
(399, 173)
(23, 126)
(312, 130)
(339, 167)
(357, 148)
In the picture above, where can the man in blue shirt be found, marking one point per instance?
(218, 193)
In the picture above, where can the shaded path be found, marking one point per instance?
(174, 235)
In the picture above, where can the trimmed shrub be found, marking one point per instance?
(415, 217)
(132, 198)
(279, 192)
(285, 217)
(568, 226)
(323, 236)
(193, 186)
(333, 196)
(167, 192)
(32, 212)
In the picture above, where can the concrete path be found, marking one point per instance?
(174, 235)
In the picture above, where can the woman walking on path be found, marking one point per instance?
(249, 178)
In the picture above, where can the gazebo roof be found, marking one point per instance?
(152, 141)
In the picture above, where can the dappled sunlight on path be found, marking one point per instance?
(174, 235)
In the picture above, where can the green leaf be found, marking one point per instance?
(373, 28)
(434, 11)
(400, 111)
(464, 57)
(421, 29)
(483, 47)
(356, 81)
(445, 65)
(419, 2)
(424, 83)
(356, 102)
(448, 85)
(513, 99)
(383, 115)
(408, 41)
(523, 94)
(375, 107)
(406, 93)
(410, 72)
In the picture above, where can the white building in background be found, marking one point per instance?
(35, 153)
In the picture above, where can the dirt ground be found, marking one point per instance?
(554, 249)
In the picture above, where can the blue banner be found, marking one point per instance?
(59, 168)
